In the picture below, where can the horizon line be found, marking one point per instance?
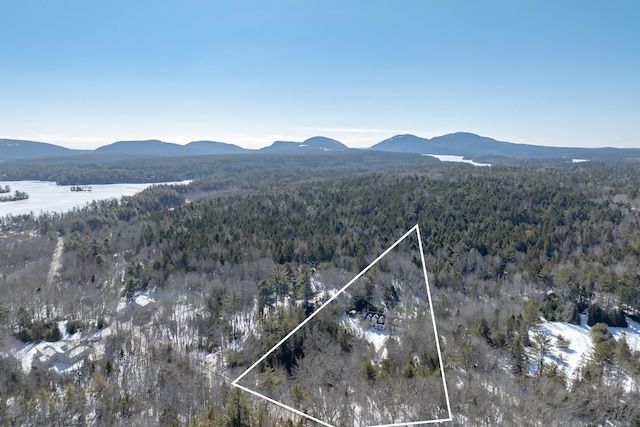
(295, 141)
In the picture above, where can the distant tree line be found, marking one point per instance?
(225, 169)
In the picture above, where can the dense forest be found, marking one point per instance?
(108, 169)
(174, 292)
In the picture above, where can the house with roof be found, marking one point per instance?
(75, 355)
(48, 353)
(387, 321)
(375, 320)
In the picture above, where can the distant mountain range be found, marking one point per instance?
(469, 145)
(11, 149)
(473, 146)
(311, 145)
(153, 147)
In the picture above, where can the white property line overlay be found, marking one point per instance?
(415, 228)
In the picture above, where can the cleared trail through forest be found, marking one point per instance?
(55, 261)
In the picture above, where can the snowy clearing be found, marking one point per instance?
(579, 350)
(374, 336)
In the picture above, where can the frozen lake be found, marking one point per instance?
(452, 158)
(45, 196)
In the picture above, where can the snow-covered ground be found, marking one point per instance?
(46, 196)
(581, 346)
(141, 299)
(374, 336)
(322, 291)
(632, 334)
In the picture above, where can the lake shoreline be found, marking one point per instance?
(47, 196)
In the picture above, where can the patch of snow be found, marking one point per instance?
(374, 336)
(579, 160)
(631, 333)
(25, 356)
(122, 304)
(75, 337)
(98, 351)
(323, 292)
(316, 285)
(581, 345)
(579, 349)
(384, 354)
(99, 335)
(62, 326)
(143, 300)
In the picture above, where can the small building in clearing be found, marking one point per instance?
(389, 322)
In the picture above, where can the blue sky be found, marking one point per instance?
(86, 73)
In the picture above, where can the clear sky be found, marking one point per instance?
(89, 72)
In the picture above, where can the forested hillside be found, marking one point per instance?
(175, 291)
(110, 169)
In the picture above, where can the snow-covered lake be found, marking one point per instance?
(452, 158)
(45, 196)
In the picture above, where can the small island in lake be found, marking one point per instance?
(18, 195)
(81, 188)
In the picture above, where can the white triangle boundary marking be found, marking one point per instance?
(416, 229)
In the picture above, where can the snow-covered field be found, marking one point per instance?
(46, 196)
(581, 345)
